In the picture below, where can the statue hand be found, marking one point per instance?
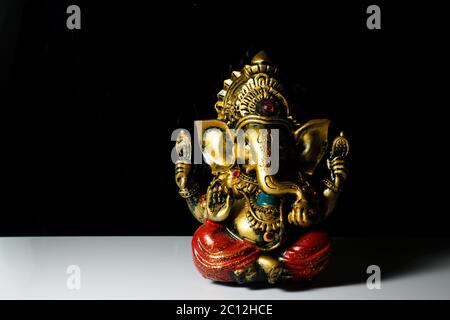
(217, 194)
(339, 171)
(301, 213)
(337, 164)
(218, 201)
(181, 174)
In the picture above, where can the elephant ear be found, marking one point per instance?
(217, 144)
(312, 141)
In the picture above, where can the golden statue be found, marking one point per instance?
(258, 211)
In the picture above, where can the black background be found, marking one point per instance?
(87, 115)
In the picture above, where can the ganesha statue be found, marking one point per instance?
(262, 202)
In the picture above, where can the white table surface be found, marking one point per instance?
(161, 268)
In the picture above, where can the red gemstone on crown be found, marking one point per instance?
(236, 173)
(268, 107)
(269, 236)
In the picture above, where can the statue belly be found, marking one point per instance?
(247, 227)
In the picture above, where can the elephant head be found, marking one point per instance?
(260, 145)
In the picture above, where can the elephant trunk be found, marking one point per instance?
(271, 185)
(266, 152)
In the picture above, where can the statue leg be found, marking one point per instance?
(220, 257)
(308, 256)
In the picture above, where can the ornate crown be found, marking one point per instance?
(252, 91)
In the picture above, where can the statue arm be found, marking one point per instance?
(305, 213)
(333, 186)
(190, 191)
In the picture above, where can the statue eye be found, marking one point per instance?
(266, 108)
